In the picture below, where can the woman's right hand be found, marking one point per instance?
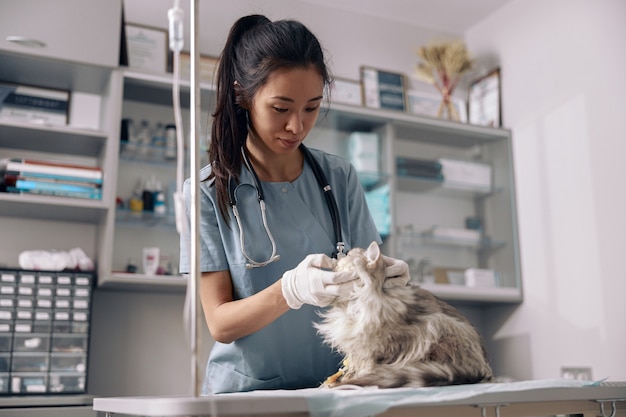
(313, 282)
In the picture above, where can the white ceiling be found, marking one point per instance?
(453, 16)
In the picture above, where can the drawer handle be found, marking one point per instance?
(30, 42)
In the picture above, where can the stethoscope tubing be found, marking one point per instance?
(328, 195)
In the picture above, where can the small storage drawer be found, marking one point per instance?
(31, 342)
(68, 362)
(6, 342)
(44, 278)
(23, 326)
(64, 281)
(4, 383)
(6, 314)
(62, 303)
(25, 302)
(27, 278)
(5, 362)
(29, 382)
(66, 382)
(30, 362)
(25, 290)
(71, 343)
(43, 321)
(80, 304)
(8, 277)
(7, 302)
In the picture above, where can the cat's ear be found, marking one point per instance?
(373, 252)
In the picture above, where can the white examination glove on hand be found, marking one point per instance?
(396, 272)
(308, 283)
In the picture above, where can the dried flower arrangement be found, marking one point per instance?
(442, 66)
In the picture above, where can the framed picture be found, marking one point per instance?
(207, 67)
(347, 92)
(428, 105)
(484, 100)
(383, 89)
(146, 48)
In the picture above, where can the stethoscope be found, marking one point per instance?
(328, 194)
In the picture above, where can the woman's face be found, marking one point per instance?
(286, 107)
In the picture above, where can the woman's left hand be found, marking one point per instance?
(396, 272)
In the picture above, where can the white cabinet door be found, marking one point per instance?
(86, 31)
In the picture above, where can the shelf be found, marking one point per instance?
(160, 283)
(157, 88)
(145, 219)
(50, 73)
(52, 208)
(475, 294)
(410, 239)
(411, 126)
(441, 188)
(55, 139)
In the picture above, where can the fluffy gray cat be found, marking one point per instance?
(402, 336)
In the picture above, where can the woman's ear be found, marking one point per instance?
(239, 96)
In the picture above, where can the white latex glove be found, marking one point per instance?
(308, 283)
(396, 272)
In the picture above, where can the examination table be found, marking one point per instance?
(526, 398)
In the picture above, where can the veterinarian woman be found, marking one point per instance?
(264, 279)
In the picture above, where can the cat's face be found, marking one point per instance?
(369, 265)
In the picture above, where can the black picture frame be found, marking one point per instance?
(383, 89)
(485, 100)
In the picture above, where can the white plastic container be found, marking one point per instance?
(151, 260)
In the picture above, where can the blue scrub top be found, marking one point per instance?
(288, 353)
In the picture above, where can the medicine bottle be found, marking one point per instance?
(170, 141)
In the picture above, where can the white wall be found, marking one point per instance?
(564, 84)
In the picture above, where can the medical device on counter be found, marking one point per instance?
(328, 194)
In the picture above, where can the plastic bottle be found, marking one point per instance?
(159, 200)
(158, 142)
(148, 195)
(170, 141)
(136, 200)
(144, 139)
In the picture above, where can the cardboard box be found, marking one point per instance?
(452, 276)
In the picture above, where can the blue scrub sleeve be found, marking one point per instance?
(211, 249)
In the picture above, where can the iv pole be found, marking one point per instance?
(192, 311)
(194, 278)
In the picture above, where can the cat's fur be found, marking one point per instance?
(401, 336)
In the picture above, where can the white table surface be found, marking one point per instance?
(513, 400)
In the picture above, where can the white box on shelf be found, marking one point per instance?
(465, 235)
(477, 277)
(85, 110)
(466, 173)
(364, 151)
(364, 154)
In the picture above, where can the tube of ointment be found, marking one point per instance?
(151, 260)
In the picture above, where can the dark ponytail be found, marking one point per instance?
(255, 48)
